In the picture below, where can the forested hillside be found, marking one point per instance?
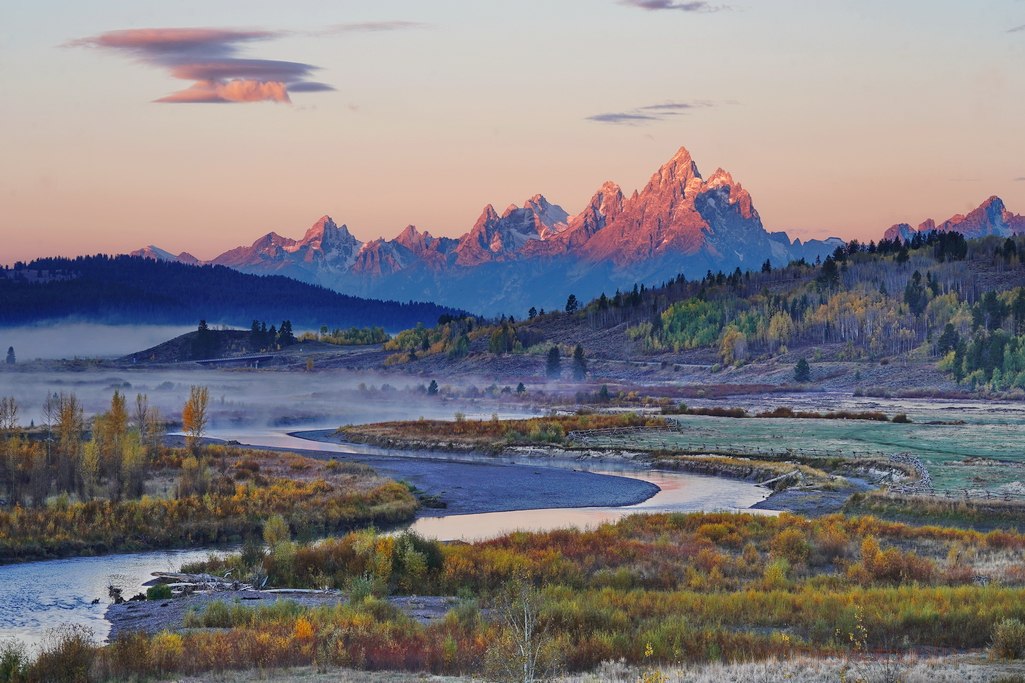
(937, 298)
(135, 290)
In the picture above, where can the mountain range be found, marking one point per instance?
(990, 218)
(537, 254)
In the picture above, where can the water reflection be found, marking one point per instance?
(678, 492)
(37, 596)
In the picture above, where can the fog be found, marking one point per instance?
(242, 400)
(84, 340)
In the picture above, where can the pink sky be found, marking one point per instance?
(839, 119)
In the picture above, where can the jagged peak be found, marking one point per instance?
(719, 178)
(510, 209)
(608, 192)
(408, 232)
(487, 216)
(682, 155)
(679, 168)
(323, 224)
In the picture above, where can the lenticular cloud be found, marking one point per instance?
(208, 58)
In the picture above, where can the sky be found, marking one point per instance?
(201, 125)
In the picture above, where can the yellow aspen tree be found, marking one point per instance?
(194, 416)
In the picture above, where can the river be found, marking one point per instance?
(493, 495)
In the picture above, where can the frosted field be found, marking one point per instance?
(990, 430)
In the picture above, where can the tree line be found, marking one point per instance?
(133, 289)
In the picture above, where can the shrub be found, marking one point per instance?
(67, 655)
(161, 591)
(901, 418)
(13, 661)
(791, 545)
(1008, 639)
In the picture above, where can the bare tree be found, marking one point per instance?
(8, 416)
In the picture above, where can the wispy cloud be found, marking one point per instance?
(210, 58)
(1020, 179)
(673, 5)
(373, 27)
(622, 117)
(671, 108)
(1016, 29)
(650, 113)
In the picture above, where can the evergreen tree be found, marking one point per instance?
(802, 371)
(520, 389)
(285, 335)
(532, 313)
(948, 341)
(11, 360)
(205, 343)
(915, 295)
(603, 394)
(432, 388)
(572, 304)
(829, 275)
(255, 336)
(553, 365)
(579, 363)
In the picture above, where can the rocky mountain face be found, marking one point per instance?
(990, 218)
(537, 254)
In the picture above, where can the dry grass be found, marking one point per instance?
(311, 675)
(801, 670)
(807, 670)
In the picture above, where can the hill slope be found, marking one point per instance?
(137, 290)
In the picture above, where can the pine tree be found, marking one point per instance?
(553, 365)
(948, 341)
(802, 371)
(572, 304)
(205, 343)
(579, 363)
(532, 313)
(285, 335)
(11, 360)
(432, 388)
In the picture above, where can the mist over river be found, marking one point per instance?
(489, 496)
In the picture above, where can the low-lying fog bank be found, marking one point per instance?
(84, 340)
(241, 400)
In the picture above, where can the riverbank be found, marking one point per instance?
(172, 614)
(468, 484)
(795, 486)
